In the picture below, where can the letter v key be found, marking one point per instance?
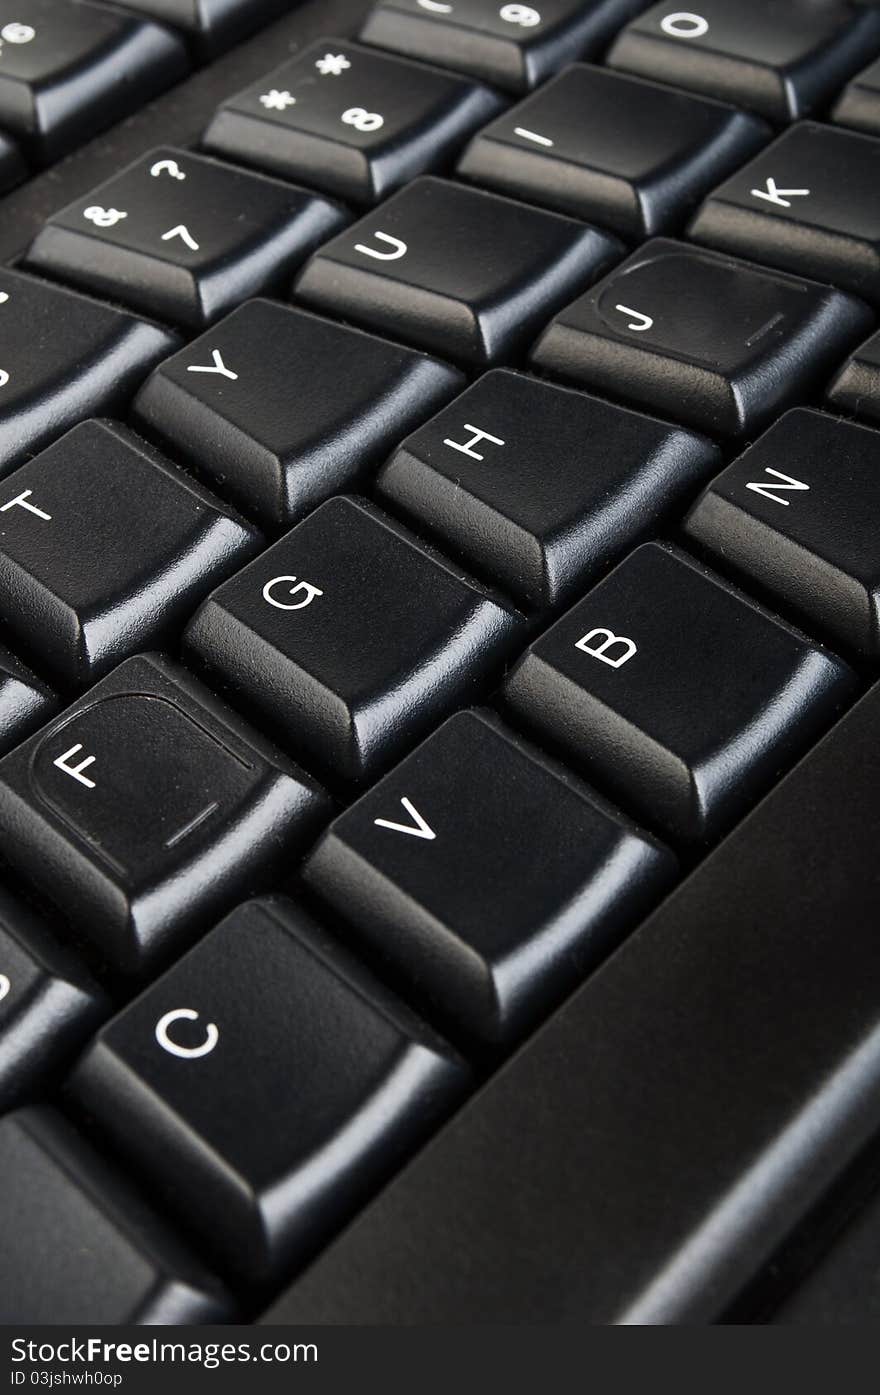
(417, 829)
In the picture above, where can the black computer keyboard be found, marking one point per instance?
(439, 609)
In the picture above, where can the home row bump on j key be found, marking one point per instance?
(182, 237)
(69, 68)
(349, 120)
(703, 338)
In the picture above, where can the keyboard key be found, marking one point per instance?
(647, 1153)
(106, 548)
(147, 808)
(677, 694)
(418, 269)
(48, 1003)
(435, 872)
(842, 1290)
(512, 46)
(859, 106)
(629, 155)
(12, 167)
(79, 1246)
(539, 488)
(267, 1019)
(350, 121)
(62, 358)
(225, 406)
(348, 639)
(71, 69)
(701, 337)
(781, 60)
(809, 204)
(794, 515)
(856, 388)
(211, 25)
(183, 238)
(25, 701)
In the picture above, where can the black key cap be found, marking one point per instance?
(267, 1019)
(702, 337)
(80, 1246)
(279, 409)
(62, 358)
(676, 693)
(859, 106)
(25, 701)
(682, 1113)
(182, 237)
(464, 274)
(348, 120)
(48, 1003)
(211, 25)
(349, 638)
(780, 58)
(105, 548)
(629, 155)
(795, 515)
(436, 871)
(12, 167)
(69, 69)
(856, 388)
(843, 1289)
(539, 488)
(808, 204)
(512, 46)
(147, 808)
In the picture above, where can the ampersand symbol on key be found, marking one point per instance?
(104, 217)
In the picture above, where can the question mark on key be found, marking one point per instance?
(170, 167)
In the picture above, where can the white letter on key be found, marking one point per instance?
(76, 771)
(398, 248)
(310, 593)
(22, 500)
(608, 640)
(467, 447)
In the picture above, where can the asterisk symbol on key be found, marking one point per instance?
(277, 101)
(332, 64)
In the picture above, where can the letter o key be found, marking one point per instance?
(187, 1053)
